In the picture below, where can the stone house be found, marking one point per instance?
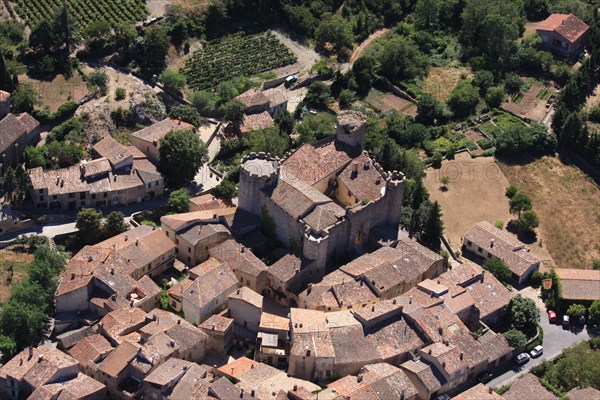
(563, 34)
(245, 307)
(214, 282)
(16, 133)
(116, 370)
(81, 387)
(219, 331)
(164, 378)
(89, 352)
(579, 284)
(257, 101)
(147, 140)
(489, 242)
(250, 270)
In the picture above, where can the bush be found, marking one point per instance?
(511, 191)
(172, 81)
(486, 144)
(576, 310)
(499, 224)
(536, 279)
(498, 269)
(513, 83)
(515, 338)
(98, 80)
(594, 114)
(225, 190)
(120, 94)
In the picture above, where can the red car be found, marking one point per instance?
(552, 316)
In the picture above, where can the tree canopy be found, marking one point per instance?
(181, 155)
(522, 312)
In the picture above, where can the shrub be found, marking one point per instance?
(511, 191)
(594, 114)
(499, 224)
(536, 279)
(98, 80)
(485, 144)
(120, 94)
(515, 338)
(576, 310)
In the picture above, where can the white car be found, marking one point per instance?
(522, 358)
(536, 351)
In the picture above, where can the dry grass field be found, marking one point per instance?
(16, 261)
(568, 205)
(58, 91)
(441, 80)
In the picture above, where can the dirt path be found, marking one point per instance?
(360, 50)
(306, 56)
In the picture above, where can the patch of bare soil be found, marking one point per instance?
(441, 80)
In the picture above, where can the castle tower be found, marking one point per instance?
(394, 193)
(257, 171)
(350, 130)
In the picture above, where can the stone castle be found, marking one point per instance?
(325, 199)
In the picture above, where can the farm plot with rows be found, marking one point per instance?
(111, 11)
(235, 55)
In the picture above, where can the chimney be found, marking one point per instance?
(72, 276)
(395, 301)
(137, 241)
(178, 322)
(20, 361)
(30, 353)
(373, 309)
(213, 326)
(295, 388)
(307, 351)
(253, 392)
(126, 236)
(172, 343)
(112, 271)
(482, 275)
(429, 352)
(241, 391)
(492, 243)
(309, 289)
(490, 390)
(402, 394)
(238, 291)
(410, 300)
(354, 169)
(300, 324)
(461, 356)
(90, 258)
(242, 249)
(40, 358)
(444, 365)
(440, 330)
(155, 142)
(359, 378)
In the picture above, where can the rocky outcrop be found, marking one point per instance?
(98, 123)
(146, 107)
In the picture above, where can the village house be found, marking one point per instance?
(219, 331)
(563, 34)
(89, 352)
(193, 385)
(147, 140)
(34, 367)
(82, 387)
(247, 267)
(478, 392)
(116, 178)
(423, 378)
(583, 393)
(245, 308)
(16, 133)
(116, 370)
(254, 122)
(11, 220)
(207, 202)
(257, 101)
(4, 103)
(207, 295)
(123, 324)
(489, 242)
(528, 387)
(579, 284)
(236, 368)
(273, 340)
(163, 379)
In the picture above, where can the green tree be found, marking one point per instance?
(445, 180)
(483, 79)
(319, 95)
(181, 155)
(88, 222)
(155, 46)
(225, 190)
(528, 220)
(179, 201)
(97, 35)
(499, 224)
(515, 338)
(234, 111)
(347, 97)
(24, 98)
(429, 110)
(172, 81)
(594, 311)
(463, 99)
(268, 140)
(511, 191)
(522, 312)
(335, 31)
(5, 79)
(124, 35)
(300, 19)
(519, 203)
(495, 96)
(98, 79)
(187, 114)
(21, 322)
(433, 228)
(576, 310)
(65, 28)
(284, 121)
(497, 268)
(203, 101)
(42, 37)
(364, 73)
(400, 59)
(115, 223)
(8, 348)
(120, 94)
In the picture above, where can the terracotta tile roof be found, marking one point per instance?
(285, 268)
(494, 345)
(168, 372)
(161, 320)
(351, 347)
(118, 359)
(177, 290)
(254, 122)
(207, 202)
(579, 284)
(238, 257)
(528, 387)
(295, 197)
(217, 323)
(91, 350)
(395, 339)
(253, 98)
(587, 393)
(362, 179)
(4, 95)
(248, 295)
(160, 129)
(22, 363)
(112, 150)
(176, 221)
(273, 322)
(121, 322)
(311, 164)
(237, 368)
(187, 337)
(95, 167)
(384, 308)
(268, 380)
(59, 181)
(324, 216)
(424, 374)
(146, 170)
(210, 285)
(28, 122)
(159, 348)
(223, 389)
(10, 130)
(53, 363)
(502, 245)
(307, 321)
(276, 97)
(193, 385)
(567, 25)
(478, 392)
(78, 388)
(136, 153)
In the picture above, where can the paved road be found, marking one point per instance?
(555, 340)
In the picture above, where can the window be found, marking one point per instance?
(41, 198)
(189, 249)
(93, 196)
(71, 195)
(82, 196)
(54, 197)
(479, 249)
(41, 190)
(105, 194)
(557, 42)
(469, 243)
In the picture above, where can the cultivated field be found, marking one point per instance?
(235, 55)
(58, 91)
(111, 11)
(568, 205)
(475, 193)
(389, 101)
(14, 266)
(441, 80)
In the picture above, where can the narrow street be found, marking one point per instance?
(555, 340)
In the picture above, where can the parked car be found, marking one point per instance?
(522, 358)
(485, 377)
(566, 321)
(552, 316)
(537, 351)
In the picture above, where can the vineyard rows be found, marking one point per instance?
(235, 55)
(86, 11)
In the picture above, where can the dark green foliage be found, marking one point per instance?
(463, 99)
(513, 83)
(182, 153)
(494, 97)
(233, 111)
(515, 338)
(399, 58)
(115, 223)
(98, 80)
(269, 140)
(88, 222)
(284, 121)
(179, 201)
(511, 191)
(24, 98)
(14, 185)
(429, 110)
(523, 313)
(153, 50)
(225, 190)
(433, 228)
(576, 310)
(172, 81)
(364, 73)
(300, 19)
(528, 220)
(519, 203)
(347, 97)
(519, 139)
(8, 348)
(187, 114)
(497, 268)
(66, 110)
(335, 31)
(594, 311)
(5, 79)
(483, 80)
(319, 95)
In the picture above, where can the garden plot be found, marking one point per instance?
(235, 55)
(530, 104)
(441, 80)
(388, 101)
